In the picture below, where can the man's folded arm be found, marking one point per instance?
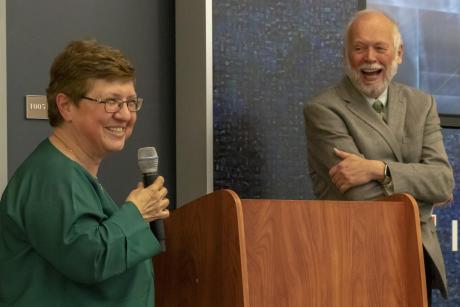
(326, 130)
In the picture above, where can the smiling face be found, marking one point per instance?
(373, 53)
(95, 131)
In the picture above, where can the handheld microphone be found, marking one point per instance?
(147, 159)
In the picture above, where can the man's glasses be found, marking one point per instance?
(113, 105)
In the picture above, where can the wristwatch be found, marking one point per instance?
(386, 172)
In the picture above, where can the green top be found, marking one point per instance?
(64, 242)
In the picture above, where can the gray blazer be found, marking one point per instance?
(410, 142)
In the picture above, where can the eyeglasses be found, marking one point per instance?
(113, 105)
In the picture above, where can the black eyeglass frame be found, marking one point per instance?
(113, 105)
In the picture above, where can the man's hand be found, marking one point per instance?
(354, 170)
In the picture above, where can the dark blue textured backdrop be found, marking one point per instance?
(445, 216)
(270, 57)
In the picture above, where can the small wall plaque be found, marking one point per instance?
(36, 107)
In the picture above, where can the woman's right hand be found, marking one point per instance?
(151, 201)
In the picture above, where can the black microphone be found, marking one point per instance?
(147, 159)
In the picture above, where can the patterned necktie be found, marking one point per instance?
(378, 106)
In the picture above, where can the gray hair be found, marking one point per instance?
(397, 38)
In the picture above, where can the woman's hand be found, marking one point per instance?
(151, 201)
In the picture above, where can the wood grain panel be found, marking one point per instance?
(261, 253)
(204, 264)
(331, 253)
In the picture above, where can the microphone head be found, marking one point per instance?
(147, 159)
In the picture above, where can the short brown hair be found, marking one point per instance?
(74, 69)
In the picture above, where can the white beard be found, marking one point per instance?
(370, 90)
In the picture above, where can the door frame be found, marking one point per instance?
(3, 99)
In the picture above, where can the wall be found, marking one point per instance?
(445, 215)
(270, 57)
(194, 135)
(38, 30)
(3, 108)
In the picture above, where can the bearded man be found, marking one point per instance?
(369, 137)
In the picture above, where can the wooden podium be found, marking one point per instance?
(223, 251)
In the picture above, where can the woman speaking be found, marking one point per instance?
(63, 240)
